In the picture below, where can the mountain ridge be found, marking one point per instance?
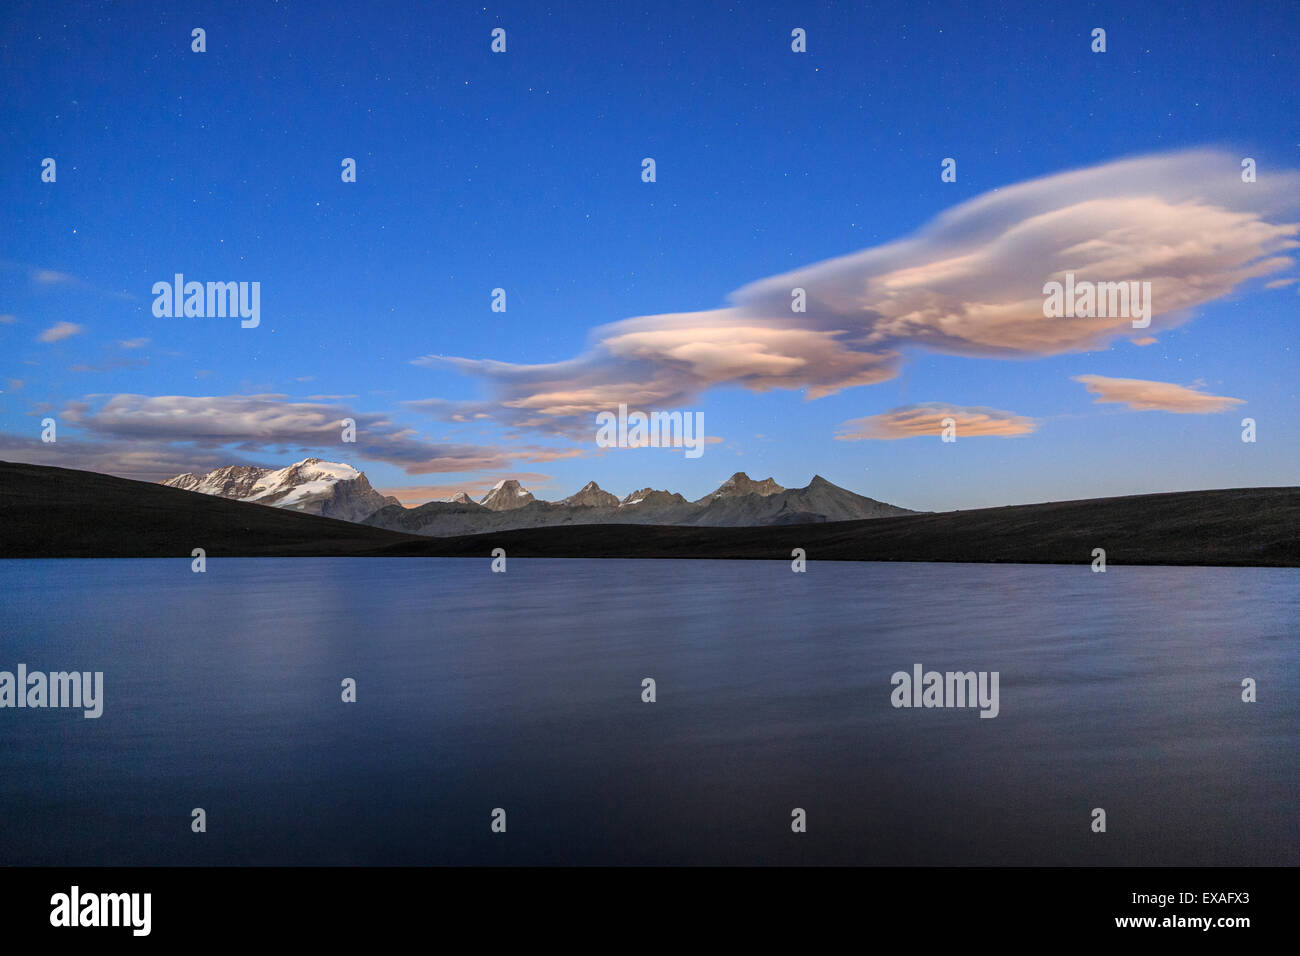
(325, 488)
(51, 512)
(338, 490)
(738, 502)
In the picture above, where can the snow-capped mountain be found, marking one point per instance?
(506, 495)
(233, 481)
(337, 490)
(326, 488)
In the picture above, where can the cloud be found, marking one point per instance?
(270, 424)
(109, 365)
(133, 343)
(912, 421)
(1279, 283)
(969, 284)
(61, 331)
(441, 408)
(1146, 340)
(51, 277)
(661, 362)
(7, 319)
(1143, 396)
(535, 455)
(141, 461)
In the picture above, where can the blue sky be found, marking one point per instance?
(522, 171)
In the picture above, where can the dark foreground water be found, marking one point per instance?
(523, 691)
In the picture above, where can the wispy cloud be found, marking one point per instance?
(1144, 396)
(271, 424)
(52, 277)
(109, 365)
(970, 284)
(54, 280)
(536, 455)
(141, 461)
(927, 419)
(60, 331)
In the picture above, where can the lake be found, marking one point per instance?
(523, 691)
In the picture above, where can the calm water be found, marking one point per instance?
(523, 691)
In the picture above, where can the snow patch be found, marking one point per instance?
(306, 490)
(313, 475)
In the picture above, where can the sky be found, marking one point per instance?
(774, 170)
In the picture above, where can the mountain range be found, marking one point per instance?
(49, 512)
(337, 490)
(325, 488)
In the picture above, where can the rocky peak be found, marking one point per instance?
(591, 496)
(506, 495)
(649, 496)
(741, 484)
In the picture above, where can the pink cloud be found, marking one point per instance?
(928, 419)
(969, 283)
(1144, 396)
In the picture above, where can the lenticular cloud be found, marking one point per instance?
(970, 283)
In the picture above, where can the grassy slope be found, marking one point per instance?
(55, 512)
(1248, 526)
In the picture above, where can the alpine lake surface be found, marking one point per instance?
(524, 692)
